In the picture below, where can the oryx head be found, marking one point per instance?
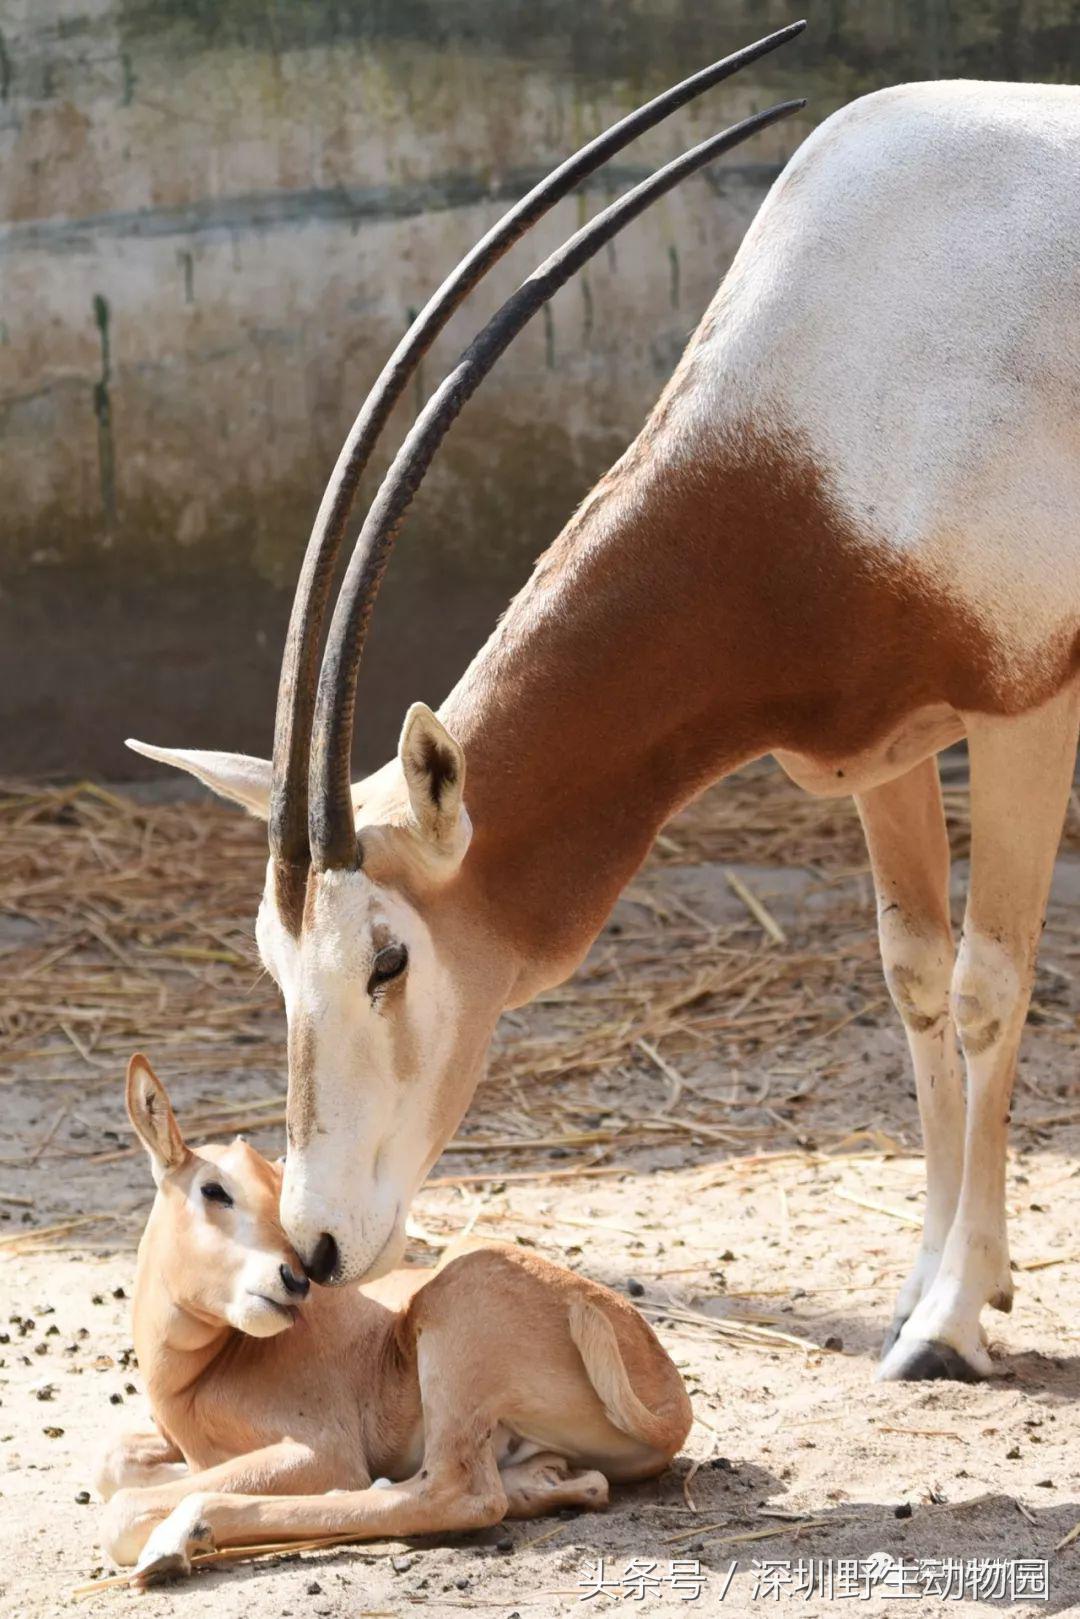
(391, 986)
(370, 922)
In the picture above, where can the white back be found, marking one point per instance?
(906, 307)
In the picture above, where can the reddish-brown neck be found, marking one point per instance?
(598, 708)
(707, 604)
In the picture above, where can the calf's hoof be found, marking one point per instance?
(168, 1552)
(160, 1569)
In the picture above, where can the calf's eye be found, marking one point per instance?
(390, 963)
(214, 1192)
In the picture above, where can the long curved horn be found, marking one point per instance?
(296, 687)
(331, 828)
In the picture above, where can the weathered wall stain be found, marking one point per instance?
(251, 197)
(187, 265)
(5, 68)
(675, 282)
(103, 413)
(630, 38)
(220, 217)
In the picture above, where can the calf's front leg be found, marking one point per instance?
(437, 1500)
(426, 1504)
(133, 1514)
(458, 1488)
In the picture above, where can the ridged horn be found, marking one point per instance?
(288, 819)
(330, 821)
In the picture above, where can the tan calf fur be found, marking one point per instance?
(498, 1385)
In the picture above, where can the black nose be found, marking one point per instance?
(295, 1284)
(324, 1261)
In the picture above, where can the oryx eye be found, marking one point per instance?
(390, 963)
(214, 1192)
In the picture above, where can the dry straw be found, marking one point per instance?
(127, 924)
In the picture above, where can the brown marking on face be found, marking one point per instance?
(393, 1007)
(300, 1113)
(311, 894)
(405, 1058)
(290, 889)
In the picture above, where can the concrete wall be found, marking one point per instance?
(217, 216)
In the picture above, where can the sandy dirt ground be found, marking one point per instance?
(717, 1115)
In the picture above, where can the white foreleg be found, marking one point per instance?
(1021, 773)
(904, 823)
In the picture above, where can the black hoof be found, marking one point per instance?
(162, 1571)
(933, 1360)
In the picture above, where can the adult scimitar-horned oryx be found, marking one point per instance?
(847, 536)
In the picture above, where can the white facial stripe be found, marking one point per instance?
(375, 1067)
(277, 947)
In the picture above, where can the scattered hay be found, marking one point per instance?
(127, 924)
(123, 924)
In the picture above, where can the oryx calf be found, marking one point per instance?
(497, 1386)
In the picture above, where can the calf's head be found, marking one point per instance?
(214, 1240)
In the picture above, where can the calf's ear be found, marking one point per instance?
(152, 1117)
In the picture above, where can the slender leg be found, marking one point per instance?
(905, 832)
(136, 1460)
(440, 1499)
(1021, 772)
(458, 1488)
(546, 1483)
(425, 1504)
(132, 1514)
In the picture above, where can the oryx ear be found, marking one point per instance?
(434, 767)
(152, 1117)
(231, 775)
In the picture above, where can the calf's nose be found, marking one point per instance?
(297, 1285)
